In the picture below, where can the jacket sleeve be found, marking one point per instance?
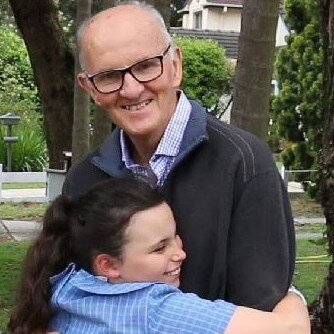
(261, 250)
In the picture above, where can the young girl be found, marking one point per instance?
(115, 261)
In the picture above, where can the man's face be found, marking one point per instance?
(122, 39)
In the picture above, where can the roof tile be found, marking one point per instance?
(227, 39)
(226, 2)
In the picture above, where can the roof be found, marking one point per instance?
(226, 2)
(227, 39)
(221, 2)
(214, 3)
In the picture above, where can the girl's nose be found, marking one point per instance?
(179, 254)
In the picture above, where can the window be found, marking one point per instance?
(198, 20)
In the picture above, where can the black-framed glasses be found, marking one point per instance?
(143, 71)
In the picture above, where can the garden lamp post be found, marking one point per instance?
(9, 120)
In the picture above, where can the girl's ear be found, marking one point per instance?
(107, 266)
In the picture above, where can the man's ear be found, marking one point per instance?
(107, 266)
(85, 84)
(177, 67)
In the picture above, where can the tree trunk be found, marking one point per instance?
(80, 131)
(323, 309)
(102, 123)
(53, 66)
(252, 82)
(102, 127)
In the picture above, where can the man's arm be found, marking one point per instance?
(262, 243)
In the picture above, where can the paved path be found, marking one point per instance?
(24, 195)
(21, 230)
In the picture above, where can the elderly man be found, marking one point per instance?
(229, 201)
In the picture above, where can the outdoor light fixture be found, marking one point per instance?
(9, 120)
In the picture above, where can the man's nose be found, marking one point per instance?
(131, 87)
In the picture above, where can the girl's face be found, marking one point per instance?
(153, 252)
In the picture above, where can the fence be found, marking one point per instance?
(286, 173)
(52, 178)
(289, 176)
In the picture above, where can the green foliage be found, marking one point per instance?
(22, 210)
(207, 73)
(296, 110)
(29, 152)
(18, 92)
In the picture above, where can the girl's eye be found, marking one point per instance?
(160, 248)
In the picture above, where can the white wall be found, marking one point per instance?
(228, 19)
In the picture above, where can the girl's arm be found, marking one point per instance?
(289, 316)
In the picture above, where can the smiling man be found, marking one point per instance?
(230, 204)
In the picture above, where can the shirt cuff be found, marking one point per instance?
(294, 290)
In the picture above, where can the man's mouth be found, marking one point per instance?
(137, 106)
(173, 272)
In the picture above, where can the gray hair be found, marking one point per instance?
(146, 7)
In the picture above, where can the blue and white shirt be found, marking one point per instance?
(83, 303)
(163, 158)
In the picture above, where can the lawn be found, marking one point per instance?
(22, 210)
(23, 185)
(11, 254)
(304, 206)
(311, 267)
(308, 277)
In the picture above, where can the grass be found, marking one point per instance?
(11, 255)
(305, 206)
(24, 185)
(22, 210)
(311, 267)
(311, 228)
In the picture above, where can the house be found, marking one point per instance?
(223, 16)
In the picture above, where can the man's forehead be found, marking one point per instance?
(122, 28)
(122, 17)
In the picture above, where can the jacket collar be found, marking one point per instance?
(109, 156)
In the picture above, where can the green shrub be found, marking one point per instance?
(29, 152)
(207, 74)
(18, 92)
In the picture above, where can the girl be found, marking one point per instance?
(115, 261)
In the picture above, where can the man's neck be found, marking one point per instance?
(142, 149)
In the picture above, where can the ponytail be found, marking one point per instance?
(48, 255)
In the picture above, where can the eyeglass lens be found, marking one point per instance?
(143, 71)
